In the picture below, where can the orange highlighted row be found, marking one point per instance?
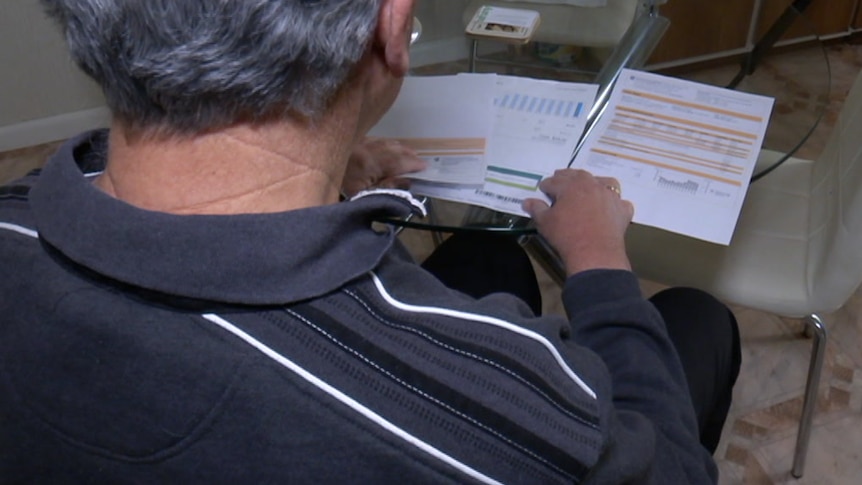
(448, 153)
(670, 126)
(689, 104)
(686, 122)
(682, 141)
(732, 169)
(670, 167)
(444, 144)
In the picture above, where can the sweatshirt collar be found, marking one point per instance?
(256, 259)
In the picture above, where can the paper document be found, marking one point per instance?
(536, 127)
(446, 120)
(683, 151)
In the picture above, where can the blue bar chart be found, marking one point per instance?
(538, 105)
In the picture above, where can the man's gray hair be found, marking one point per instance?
(186, 66)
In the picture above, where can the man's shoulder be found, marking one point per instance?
(500, 381)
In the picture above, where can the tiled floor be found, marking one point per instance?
(757, 446)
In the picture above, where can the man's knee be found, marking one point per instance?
(698, 316)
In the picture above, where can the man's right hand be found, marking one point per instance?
(586, 222)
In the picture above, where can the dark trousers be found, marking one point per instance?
(702, 329)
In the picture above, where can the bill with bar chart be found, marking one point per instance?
(447, 121)
(683, 151)
(536, 126)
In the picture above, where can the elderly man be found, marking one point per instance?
(185, 299)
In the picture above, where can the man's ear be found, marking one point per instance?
(394, 27)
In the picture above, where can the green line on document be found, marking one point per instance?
(509, 171)
(531, 188)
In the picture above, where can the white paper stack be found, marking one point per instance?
(488, 139)
(683, 151)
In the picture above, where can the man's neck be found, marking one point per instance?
(271, 167)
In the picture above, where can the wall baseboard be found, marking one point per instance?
(46, 130)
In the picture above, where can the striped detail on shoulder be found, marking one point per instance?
(452, 401)
(476, 409)
(14, 192)
(496, 322)
(350, 402)
(19, 229)
(498, 360)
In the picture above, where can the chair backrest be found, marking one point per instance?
(835, 220)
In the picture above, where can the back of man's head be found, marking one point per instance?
(188, 66)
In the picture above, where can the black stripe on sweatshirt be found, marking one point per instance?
(14, 192)
(512, 366)
(443, 396)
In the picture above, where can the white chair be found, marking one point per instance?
(563, 22)
(796, 250)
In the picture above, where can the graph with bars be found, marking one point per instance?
(687, 186)
(539, 105)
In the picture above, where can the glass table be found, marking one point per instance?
(797, 77)
(633, 49)
(800, 102)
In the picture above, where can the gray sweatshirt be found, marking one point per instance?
(307, 347)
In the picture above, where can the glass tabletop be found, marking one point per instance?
(801, 100)
(797, 76)
(448, 216)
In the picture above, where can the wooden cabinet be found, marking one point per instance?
(823, 17)
(703, 27)
(857, 20)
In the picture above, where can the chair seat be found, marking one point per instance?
(764, 266)
(568, 25)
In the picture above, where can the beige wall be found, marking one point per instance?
(442, 18)
(43, 96)
(443, 32)
(37, 79)
(443, 37)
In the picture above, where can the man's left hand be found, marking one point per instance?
(379, 163)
